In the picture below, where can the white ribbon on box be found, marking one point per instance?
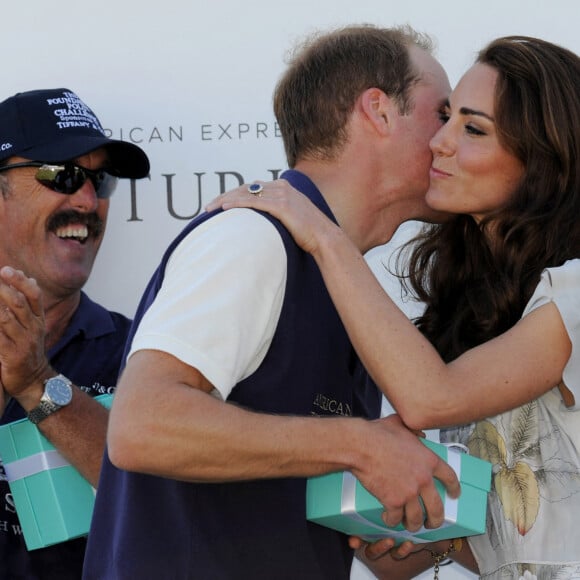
(348, 504)
(34, 464)
(44, 460)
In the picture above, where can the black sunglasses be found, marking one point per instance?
(68, 178)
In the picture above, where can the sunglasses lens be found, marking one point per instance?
(61, 178)
(70, 178)
(104, 184)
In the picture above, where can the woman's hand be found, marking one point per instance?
(408, 560)
(304, 221)
(375, 550)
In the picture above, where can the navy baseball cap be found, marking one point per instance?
(54, 125)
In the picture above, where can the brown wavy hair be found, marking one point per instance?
(475, 289)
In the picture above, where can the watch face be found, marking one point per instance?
(59, 391)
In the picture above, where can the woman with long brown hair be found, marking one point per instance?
(496, 363)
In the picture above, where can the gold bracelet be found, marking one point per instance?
(438, 557)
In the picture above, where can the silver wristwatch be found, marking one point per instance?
(57, 394)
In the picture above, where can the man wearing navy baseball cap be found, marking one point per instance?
(58, 349)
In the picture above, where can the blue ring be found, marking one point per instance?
(255, 188)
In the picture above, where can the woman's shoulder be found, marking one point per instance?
(561, 286)
(564, 280)
(557, 284)
(570, 267)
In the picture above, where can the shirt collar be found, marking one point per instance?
(90, 319)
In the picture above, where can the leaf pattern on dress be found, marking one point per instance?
(517, 489)
(486, 443)
(558, 479)
(515, 483)
(524, 432)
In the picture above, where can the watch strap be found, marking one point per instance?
(42, 411)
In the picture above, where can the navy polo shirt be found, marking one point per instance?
(90, 354)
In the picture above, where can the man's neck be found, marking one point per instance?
(351, 202)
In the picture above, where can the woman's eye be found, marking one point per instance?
(443, 116)
(473, 130)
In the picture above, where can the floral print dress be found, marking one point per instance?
(533, 517)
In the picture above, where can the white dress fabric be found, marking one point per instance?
(533, 519)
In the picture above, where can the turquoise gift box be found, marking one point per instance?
(340, 502)
(53, 501)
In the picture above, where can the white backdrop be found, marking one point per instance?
(191, 82)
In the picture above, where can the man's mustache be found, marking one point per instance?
(93, 222)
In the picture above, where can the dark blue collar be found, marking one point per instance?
(90, 319)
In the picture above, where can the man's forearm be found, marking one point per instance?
(78, 431)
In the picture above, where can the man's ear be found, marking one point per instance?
(378, 109)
